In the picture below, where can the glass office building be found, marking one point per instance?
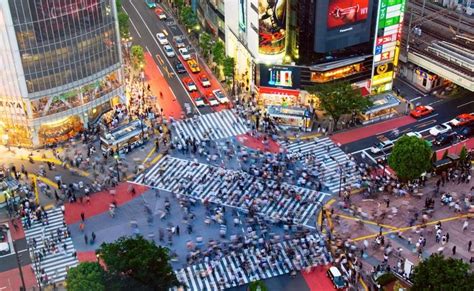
(60, 64)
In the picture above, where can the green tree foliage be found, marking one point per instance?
(411, 156)
(439, 273)
(463, 154)
(136, 263)
(124, 24)
(178, 4)
(86, 276)
(340, 98)
(218, 53)
(137, 56)
(188, 17)
(257, 286)
(229, 67)
(118, 4)
(205, 43)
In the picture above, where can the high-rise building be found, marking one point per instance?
(283, 46)
(211, 16)
(60, 66)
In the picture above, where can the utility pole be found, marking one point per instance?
(409, 31)
(19, 267)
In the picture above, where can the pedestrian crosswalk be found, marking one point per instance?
(255, 263)
(52, 250)
(270, 199)
(326, 160)
(213, 126)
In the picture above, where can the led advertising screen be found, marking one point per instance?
(342, 24)
(243, 15)
(280, 76)
(272, 26)
(346, 12)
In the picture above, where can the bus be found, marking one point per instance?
(150, 3)
(124, 138)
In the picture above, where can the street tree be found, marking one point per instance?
(257, 286)
(440, 273)
(136, 263)
(124, 24)
(178, 4)
(340, 98)
(118, 4)
(188, 17)
(218, 53)
(86, 276)
(229, 72)
(137, 56)
(463, 154)
(205, 43)
(411, 156)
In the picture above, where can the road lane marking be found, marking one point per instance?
(133, 24)
(426, 123)
(437, 101)
(428, 117)
(414, 99)
(168, 61)
(462, 105)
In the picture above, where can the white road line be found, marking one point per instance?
(133, 24)
(465, 104)
(414, 99)
(428, 117)
(168, 61)
(437, 101)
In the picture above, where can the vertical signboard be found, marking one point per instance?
(272, 26)
(243, 15)
(387, 44)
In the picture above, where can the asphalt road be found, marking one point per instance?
(144, 27)
(445, 110)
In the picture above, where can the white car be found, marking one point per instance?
(200, 102)
(220, 96)
(169, 51)
(162, 16)
(184, 53)
(382, 146)
(439, 129)
(162, 38)
(415, 133)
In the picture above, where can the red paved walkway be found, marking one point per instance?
(16, 234)
(88, 256)
(318, 280)
(257, 143)
(158, 84)
(100, 202)
(456, 149)
(375, 129)
(10, 280)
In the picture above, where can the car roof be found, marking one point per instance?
(335, 271)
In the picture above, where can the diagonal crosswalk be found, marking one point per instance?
(56, 260)
(255, 263)
(270, 199)
(213, 126)
(323, 157)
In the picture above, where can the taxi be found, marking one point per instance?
(193, 66)
(421, 111)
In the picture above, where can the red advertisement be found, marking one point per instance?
(344, 12)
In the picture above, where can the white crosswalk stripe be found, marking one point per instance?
(254, 263)
(53, 263)
(213, 126)
(235, 189)
(326, 159)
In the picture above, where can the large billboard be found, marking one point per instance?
(344, 12)
(271, 26)
(341, 24)
(287, 77)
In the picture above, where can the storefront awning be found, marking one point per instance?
(286, 112)
(269, 90)
(382, 102)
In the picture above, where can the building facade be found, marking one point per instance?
(284, 46)
(210, 14)
(61, 68)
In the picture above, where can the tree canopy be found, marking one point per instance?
(188, 17)
(411, 156)
(137, 56)
(229, 67)
(205, 43)
(440, 273)
(218, 53)
(124, 26)
(86, 276)
(340, 98)
(138, 263)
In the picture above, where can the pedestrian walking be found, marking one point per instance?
(82, 216)
(86, 239)
(82, 226)
(454, 250)
(93, 238)
(177, 230)
(447, 237)
(469, 245)
(465, 225)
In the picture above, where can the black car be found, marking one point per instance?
(179, 67)
(466, 132)
(446, 138)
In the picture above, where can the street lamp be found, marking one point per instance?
(117, 157)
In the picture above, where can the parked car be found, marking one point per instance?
(466, 131)
(180, 69)
(421, 111)
(445, 138)
(193, 65)
(439, 129)
(162, 38)
(189, 84)
(200, 101)
(160, 14)
(462, 119)
(336, 277)
(179, 42)
(169, 51)
(220, 96)
(204, 81)
(382, 146)
(211, 99)
(184, 53)
(415, 134)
